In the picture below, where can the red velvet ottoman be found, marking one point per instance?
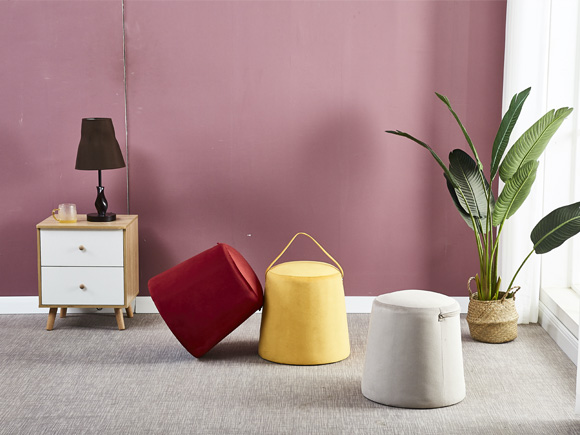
(206, 297)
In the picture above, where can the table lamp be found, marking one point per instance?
(98, 150)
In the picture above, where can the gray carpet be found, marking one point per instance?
(87, 377)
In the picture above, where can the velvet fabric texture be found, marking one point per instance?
(414, 357)
(304, 317)
(205, 298)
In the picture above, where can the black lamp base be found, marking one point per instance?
(95, 217)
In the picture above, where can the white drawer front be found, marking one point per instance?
(81, 248)
(102, 286)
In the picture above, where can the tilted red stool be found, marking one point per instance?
(205, 298)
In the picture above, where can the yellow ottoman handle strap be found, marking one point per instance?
(318, 244)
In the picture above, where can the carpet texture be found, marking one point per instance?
(87, 377)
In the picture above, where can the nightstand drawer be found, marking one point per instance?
(65, 286)
(81, 248)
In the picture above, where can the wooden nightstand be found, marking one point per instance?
(88, 265)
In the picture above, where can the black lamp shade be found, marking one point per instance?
(98, 148)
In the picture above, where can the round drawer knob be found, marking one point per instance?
(82, 286)
(82, 248)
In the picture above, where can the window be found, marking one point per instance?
(543, 51)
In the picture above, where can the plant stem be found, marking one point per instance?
(526, 259)
(520, 268)
(479, 244)
(489, 236)
(477, 239)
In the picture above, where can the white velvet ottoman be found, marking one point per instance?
(414, 357)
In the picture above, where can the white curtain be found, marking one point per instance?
(542, 52)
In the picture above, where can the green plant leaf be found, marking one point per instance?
(515, 192)
(470, 197)
(460, 209)
(472, 186)
(555, 228)
(480, 223)
(448, 175)
(532, 143)
(467, 138)
(505, 130)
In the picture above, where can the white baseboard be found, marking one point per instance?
(463, 303)
(29, 305)
(144, 304)
(559, 333)
(359, 304)
(20, 305)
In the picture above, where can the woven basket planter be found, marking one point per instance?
(492, 321)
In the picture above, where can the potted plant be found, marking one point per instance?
(491, 314)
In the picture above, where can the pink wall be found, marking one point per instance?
(61, 61)
(251, 121)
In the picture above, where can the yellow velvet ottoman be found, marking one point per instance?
(304, 314)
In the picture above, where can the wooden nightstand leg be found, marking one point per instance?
(62, 312)
(129, 311)
(51, 319)
(120, 321)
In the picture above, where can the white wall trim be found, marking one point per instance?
(29, 305)
(359, 304)
(144, 304)
(354, 304)
(559, 333)
(564, 304)
(20, 305)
